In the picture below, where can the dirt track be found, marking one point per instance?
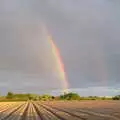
(60, 110)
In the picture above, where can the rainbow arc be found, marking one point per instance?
(58, 61)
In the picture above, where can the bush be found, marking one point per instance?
(46, 97)
(116, 97)
(10, 95)
(22, 97)
(70, 96)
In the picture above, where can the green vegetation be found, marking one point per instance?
(66, 96)
(10, 95)
(116, 97)
(46, 97)
(24, 97)
(95, 98)
(70, 96)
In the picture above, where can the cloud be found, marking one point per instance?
(86, 33)
(91, 91)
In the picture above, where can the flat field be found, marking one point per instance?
(60, 110)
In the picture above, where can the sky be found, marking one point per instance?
(87, 33)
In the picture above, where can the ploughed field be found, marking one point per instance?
(60, 110)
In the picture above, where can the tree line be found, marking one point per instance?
(66, 96)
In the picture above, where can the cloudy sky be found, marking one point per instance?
(87, 33)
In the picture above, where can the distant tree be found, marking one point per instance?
(46, 97)
(53, 97)
(70, 96)
(33, 97)
(103, 98)
(116, 97)
(10, 95)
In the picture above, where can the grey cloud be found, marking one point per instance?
(86, 32)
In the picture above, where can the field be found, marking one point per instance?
(60, 110)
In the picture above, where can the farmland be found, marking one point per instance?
(60, 110)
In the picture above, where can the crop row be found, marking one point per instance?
(44, 111)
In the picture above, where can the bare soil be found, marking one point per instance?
(60, 110)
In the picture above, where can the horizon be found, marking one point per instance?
(83, 92)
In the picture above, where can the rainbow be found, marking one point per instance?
(58, 60)
(59, 64)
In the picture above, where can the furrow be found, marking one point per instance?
(62, 114)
